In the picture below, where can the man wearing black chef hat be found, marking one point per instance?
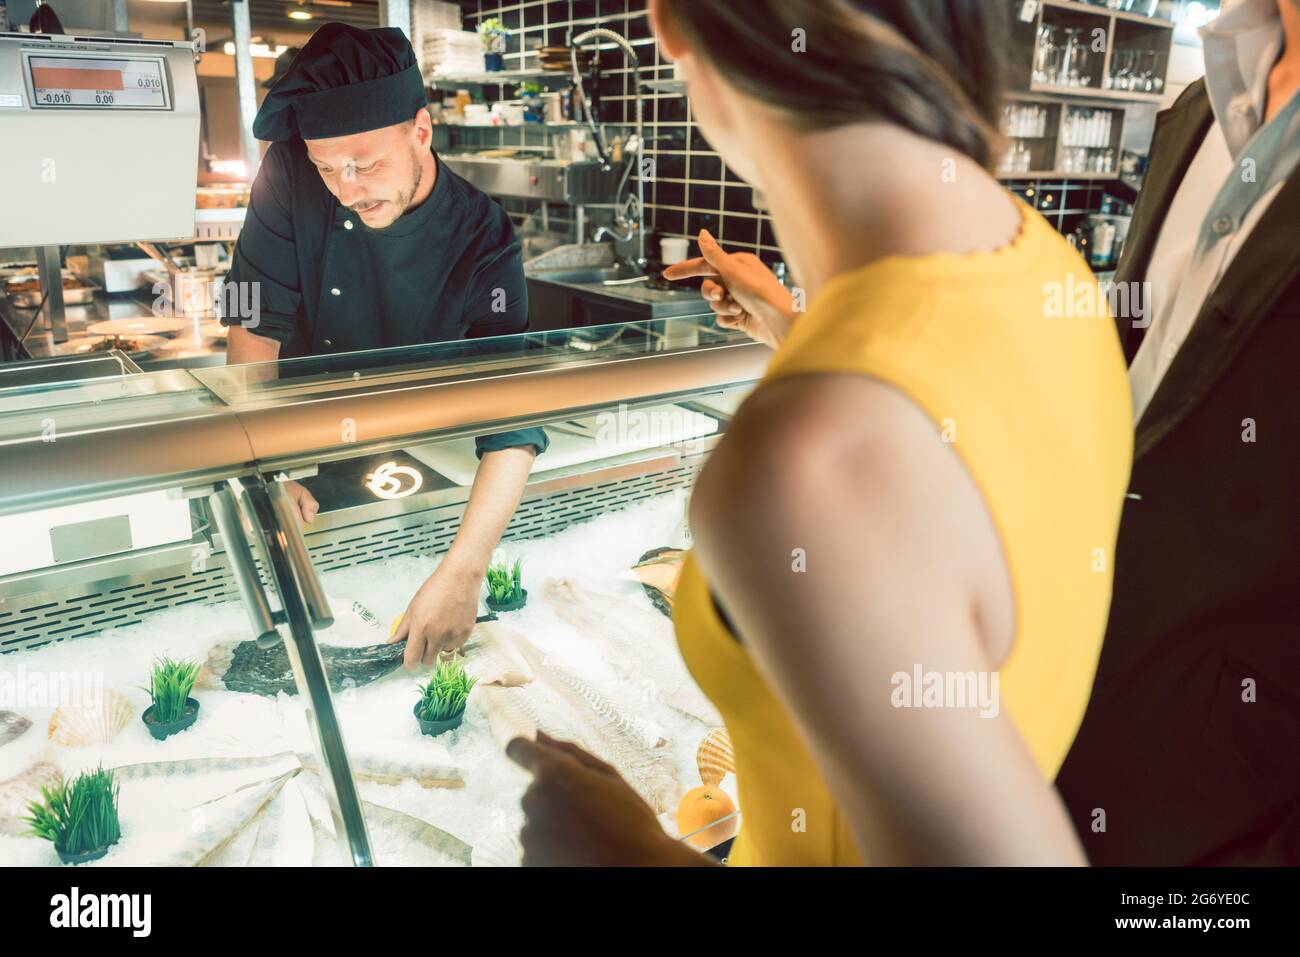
(358, 237)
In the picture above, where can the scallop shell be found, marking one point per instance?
(97, 721)
(18, 792)
(218, 661)
(498, 850)
(714, 757)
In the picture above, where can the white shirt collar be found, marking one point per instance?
(1241, 47)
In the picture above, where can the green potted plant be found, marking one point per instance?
(173, 709)
(505, 591)
(442, 701)
(531, 95)
(492, 35)
(79, 817)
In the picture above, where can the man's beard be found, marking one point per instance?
(404, 198)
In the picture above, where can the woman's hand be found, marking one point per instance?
(580, 813)
(741, 290)
(439, 617)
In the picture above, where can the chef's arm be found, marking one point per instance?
(498, 487)
(243, 346)
(441, 615)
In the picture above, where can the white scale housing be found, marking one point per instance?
(98, 140)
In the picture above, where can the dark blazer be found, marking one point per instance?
(1207, 567)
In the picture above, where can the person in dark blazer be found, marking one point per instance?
(1190, 749)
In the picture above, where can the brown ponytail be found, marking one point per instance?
(934, 67)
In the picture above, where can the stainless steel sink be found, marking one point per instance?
(619, 275)
(598, 295)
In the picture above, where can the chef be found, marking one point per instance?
(358, 237)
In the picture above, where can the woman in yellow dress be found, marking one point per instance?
(902, 558)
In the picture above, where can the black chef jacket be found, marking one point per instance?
(450, 269)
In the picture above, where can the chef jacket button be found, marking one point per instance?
(347, 224)
(335, 291)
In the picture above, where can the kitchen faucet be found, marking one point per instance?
(629, 222)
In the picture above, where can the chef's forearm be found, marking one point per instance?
(243, 347)
(498, 487)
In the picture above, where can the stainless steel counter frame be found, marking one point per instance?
(201, 454)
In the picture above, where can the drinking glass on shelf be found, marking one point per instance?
(1082, 76)
(1121, 76)
(1069, 73)
(1148, 71)
(1045, 56)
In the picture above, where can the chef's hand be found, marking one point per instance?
(439, 617)
(579, 813)
(304, 503)
(741, 290)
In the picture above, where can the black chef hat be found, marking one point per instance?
(345, 80)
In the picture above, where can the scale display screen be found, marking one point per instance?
(97, 83)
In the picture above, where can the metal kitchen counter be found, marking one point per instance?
(184, 349)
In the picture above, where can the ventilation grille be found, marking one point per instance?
(127, 599)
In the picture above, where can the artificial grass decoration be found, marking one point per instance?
(170, 685)
(505, 582)
(80, 815)
(444, 697)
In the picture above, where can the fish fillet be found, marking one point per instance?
(614, 735)
(658, 670)
(493, 663)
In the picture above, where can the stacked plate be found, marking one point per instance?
(558, 59)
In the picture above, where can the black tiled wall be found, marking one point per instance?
(692, 188)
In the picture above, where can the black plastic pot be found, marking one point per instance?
(513, 605)
(435, 728)
(85, 856)
(163, 730)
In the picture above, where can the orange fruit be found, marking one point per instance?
(701, 807)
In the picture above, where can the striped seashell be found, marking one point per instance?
(714, 757)
(97, 721)
(498, 850)
(18, 792)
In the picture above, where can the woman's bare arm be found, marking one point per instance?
(903, 568)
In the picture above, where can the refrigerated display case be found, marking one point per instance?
(145, 516)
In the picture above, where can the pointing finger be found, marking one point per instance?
(689, 269)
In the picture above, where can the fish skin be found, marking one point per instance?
(12, 726)
(267, 672)
(245, 667)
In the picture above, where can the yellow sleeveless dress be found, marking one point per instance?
(1012, 353)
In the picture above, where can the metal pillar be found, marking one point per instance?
(397, 13)
(51, 272)
(245, 82)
